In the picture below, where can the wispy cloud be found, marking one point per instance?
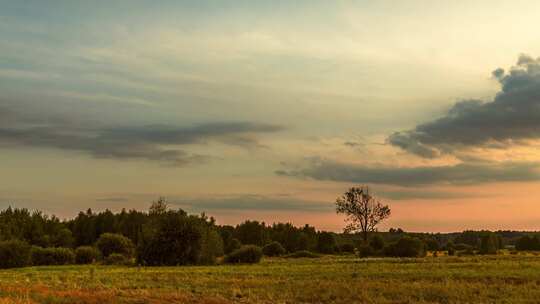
(464, 173)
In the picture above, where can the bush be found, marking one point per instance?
(488, 244)
(302, 254)
(52, 256)
(326, 243)
(365, 251)
(212, 247)
(175, 238)
(406, 247)
(432, 244)
(233, 245)
(451, 251)
(346, 248)
(376, 242)
(273, 249)
(117, 259)
(246, 254)
(461, 246)
(14, 253)
(109, 243)
(86, 255)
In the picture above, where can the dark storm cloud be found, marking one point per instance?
(255, 203)
(132, 142)
(511, 117)
(464, 173)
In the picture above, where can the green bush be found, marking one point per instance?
(346, 248)
(406, 247)
(461, 246)
(175, 238)
(86, 255)
(246, 254)
(14, 253)
(365, 251)
(273, 249)
(109, 243)
(376, 242)
(326, 243)
(489, 244)
(52, 256)
(117, 259)
(233, 245)
(212, 247)
(302, 254)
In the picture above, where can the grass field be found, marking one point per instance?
(330, 279)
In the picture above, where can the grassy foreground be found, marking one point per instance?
(341, 279)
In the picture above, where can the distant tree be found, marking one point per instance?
(326, 242)
(376, 242)
(364, 212)
(158, 207)
(233, 245)
(489, 244)
(176, 238)
(528, 243)
(432, 244)
(252, 233)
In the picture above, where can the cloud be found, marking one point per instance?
(149, 142)
(253, 203)
(461, 174)
(512, 117)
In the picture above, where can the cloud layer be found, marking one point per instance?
(463, 174)
(150, 142)
(513, 116)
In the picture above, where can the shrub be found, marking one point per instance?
(52, 256)
(365, 251)
(451, 251)
(326, 243)
(346, 248)
(86, 255)
(175, 238)
(302, 254)
(461, 246)
(406, 247)
(14, 253)
(273, 249)
(117, 259)
(233, 245)
(376, 242)
(432, 244)
(488, 244)
(528, 243)
(246, 254)
(212, 247)
(109, 243)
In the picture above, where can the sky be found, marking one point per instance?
(270, 110)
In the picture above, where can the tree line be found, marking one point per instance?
(163, 236)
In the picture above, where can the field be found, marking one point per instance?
(330, 279)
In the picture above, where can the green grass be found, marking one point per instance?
(330, 279)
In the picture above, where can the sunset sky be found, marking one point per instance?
(270, 110)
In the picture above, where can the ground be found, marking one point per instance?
(330, 279)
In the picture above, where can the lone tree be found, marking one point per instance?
(364, 212)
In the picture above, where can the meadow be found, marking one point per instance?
(328, 279)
